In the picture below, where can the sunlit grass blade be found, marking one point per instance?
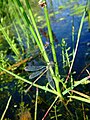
(3, 115)
(35, 114)
(50, 108)
(75, 85)
(29, 82)
(81, 94)
(80, 99)
(51, 40)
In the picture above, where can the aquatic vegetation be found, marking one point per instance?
(57, 90)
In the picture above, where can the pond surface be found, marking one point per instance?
(64, 14)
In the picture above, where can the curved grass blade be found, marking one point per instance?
(34, 68)
(35, 74)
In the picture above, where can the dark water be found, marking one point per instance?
(62, 27)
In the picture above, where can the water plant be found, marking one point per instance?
(62, 88)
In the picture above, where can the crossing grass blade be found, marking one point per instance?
(80, 99)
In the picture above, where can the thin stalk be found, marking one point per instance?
(38, 39)
(6, 108)
(39, 42)
(51, 40)
(75, 85)
(77, 43)
(29, 82)
(80, 99)
(36, 80)
(56, 112)
(73, 35)
(50, 108)
(35, 114)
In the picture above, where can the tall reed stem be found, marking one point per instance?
(42, 49)
(51, 40)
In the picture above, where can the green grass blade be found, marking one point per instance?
(80, 99)
(35, 114)
(75, 85)
(51, 40)
(10, 42)
(6, 108)
(31, 83)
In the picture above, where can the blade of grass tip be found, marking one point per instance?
(29, 82)
(35, 114)
(77, 43)
(6, 108)
(51, 39)
(50, 108)
(22, 26)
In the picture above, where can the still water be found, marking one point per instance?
(63, 14)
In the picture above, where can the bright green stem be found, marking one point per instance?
(36, 36)
(88, 11)
(38, 40)
(31, 83)
(51, 41)
(42, 49)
